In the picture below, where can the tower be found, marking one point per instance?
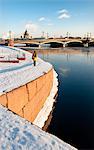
(11, 40)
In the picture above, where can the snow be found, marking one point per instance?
(12, 53)
(48, 105)
(15, 75)
(18, 134)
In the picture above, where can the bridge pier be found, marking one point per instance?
(39, 45)
(86, 45)
(64, 44)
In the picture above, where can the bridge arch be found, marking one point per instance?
(53, 44)
(74, 44)
(32, 44)
(91, 44)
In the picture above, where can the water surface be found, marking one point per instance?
(73, 116)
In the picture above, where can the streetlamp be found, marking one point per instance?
(10, 34)
(67, 34)
(11, 40)
(47, 35)
(43, 34)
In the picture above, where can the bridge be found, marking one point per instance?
(61, 42)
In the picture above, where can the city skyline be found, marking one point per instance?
(53, 17)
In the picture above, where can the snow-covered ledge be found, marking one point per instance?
(24, 87)
(18, 134)
(48, 105)
(15, 75)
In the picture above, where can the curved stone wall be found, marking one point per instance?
(27, 100)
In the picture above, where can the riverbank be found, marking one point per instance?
(73, 117)
(16, 133)
(25, 87)
(48, 105)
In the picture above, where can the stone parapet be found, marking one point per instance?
(27, 100)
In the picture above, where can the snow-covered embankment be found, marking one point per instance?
(22, 90)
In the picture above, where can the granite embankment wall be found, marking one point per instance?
(27, 100)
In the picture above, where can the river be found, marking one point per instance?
(73, 116)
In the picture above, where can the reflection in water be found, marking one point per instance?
(64, 71)
(68, 52)
(73, 116)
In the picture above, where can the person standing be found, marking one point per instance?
(34, 57)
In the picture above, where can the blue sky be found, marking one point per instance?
(53, 16)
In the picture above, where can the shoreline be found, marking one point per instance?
(48, 121)
(48, 105)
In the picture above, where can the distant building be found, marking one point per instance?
(26, 35)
